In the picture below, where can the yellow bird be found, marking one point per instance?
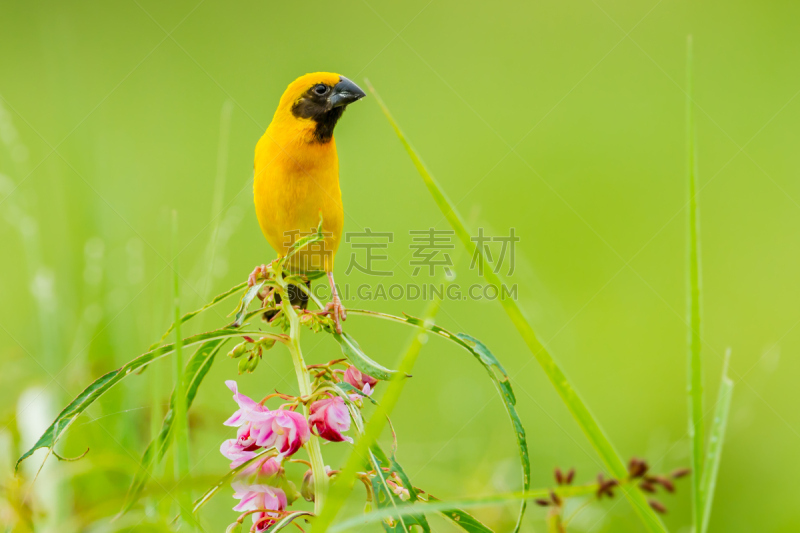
(297, 174)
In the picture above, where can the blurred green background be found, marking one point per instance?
(563, 120)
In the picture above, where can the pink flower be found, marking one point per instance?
(330, 418)
(363, 382)
(259, 427)
(255, 497)
(286, 430)
(236, 452)
(263, 468)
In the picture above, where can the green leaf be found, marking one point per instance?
(102, 384)
(694, 360)
(196, 369)
(217, 299)
(466, 521)
(386, 498)
(580, 412)
(716, 440)
(360, 360)
(244, 303)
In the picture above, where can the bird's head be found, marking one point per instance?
(315, 102)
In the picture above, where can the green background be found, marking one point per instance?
(563, 120)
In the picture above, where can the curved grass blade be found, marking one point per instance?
(360, 360)
(102, 384)
(196, 369)
(188, 316)
(495, 371)
(716, 438)
(580, 412)
(462, 503)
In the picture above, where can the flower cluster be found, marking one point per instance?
(266, 438)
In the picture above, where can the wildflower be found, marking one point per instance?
(257, 497)
(330, 418)
(363, 382)
(286, 430)
(234, 451)
(263, 468)
(259, 427)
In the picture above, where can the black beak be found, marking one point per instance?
(345, 92)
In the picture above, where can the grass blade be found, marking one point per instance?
(464, 503)
(716, 439)
(360, 360)
(695, 362)
(569, 396)
(181, 431)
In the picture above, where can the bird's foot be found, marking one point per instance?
(336, 311)
(259, 271)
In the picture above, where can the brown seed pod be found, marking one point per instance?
(559, 476)
(657, 506)
(570, 476)
(647, 487)
(666, 483)
(542, 503)
(680, 472)
(555, 498)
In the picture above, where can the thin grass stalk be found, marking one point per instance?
(569, 396)
(181, 434)
(716, 440)
(695, 361)
(377, 423)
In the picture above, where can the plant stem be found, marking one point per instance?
(304, 383)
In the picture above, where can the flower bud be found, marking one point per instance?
(238, 350)
(363, 382)
(249, 364)
(236, 527)
(307, 488)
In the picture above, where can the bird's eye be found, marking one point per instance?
(320, 89)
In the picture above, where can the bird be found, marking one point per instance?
(296, 176)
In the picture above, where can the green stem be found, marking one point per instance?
(304, 382)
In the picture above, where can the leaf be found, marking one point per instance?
(580, 412)
(360, 360)
(244, 303)
(716, 439)
(466, 521)
(196, 369)
(102, 384)
(217, 299)
(386, 498)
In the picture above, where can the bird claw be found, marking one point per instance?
(261, 271)
(336, 310)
